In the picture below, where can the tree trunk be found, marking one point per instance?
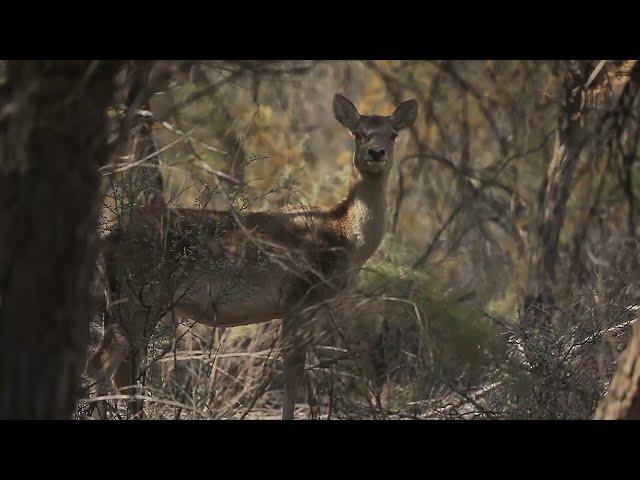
(53, 137)
(623, 399)
(569, 141)
(585, 83)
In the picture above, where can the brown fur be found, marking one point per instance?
(253, 268)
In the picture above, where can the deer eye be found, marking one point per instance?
(357, 136)
(394, 136)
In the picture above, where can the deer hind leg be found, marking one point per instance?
(294, 356)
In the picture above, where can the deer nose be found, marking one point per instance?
(376, 153)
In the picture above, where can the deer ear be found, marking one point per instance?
(405, 114)
(346, 113)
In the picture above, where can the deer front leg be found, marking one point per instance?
(130, 368)
(104, 362)
(126, 379)
(294, 356)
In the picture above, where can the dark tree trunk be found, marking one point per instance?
(53, 137)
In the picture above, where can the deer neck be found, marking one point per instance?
(363, 214)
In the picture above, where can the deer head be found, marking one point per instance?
(374, 135)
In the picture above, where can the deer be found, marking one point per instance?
(228, 269)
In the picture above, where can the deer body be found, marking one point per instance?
(354, 228)
(228, 269)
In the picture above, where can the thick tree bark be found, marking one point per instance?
(53, 132)
(623, 399)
